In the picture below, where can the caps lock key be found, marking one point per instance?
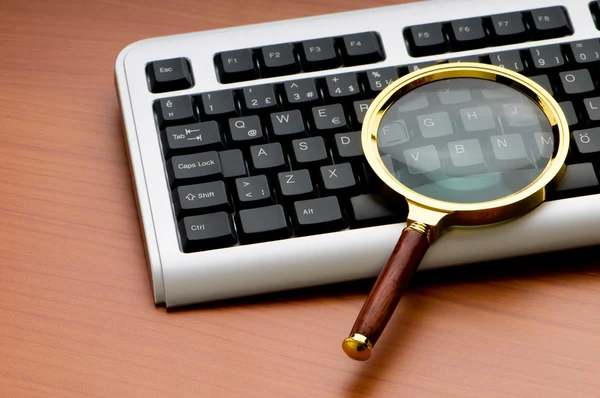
(196, 167)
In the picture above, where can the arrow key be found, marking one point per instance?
(201, 198)
(254, 191)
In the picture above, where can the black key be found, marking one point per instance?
(260, 97)
(586, 51)
(206, 198)
(348, 146)
(268, 158)
(198, 136)
(254, 191)
(550, 22)
(509, 60)
(569, 111)
(577, 81)
(467, 58)
(296, 185)
(378, 79)
(195, 167)
(509, 28)
(169, 75)
(543, 81)
(263, 224)
(339, 179)
(246, 129)
(319, 54)
(588, 140)
(362, 48)
(316, 216)
(301, 92)
(360, 109)
(467, 34)
(232, 163)
(547, 57)
(329, 118)
(592, 106)
(595, 10)
(205, 232)
(279, 60)
(175, 111)
(309, 151)
(577, 176)
(342, 86)
(372, 209)
(420, 65)
(218, 104)
(426, 40)
(288, 124)
(236, 66)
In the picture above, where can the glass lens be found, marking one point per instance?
(465, 140)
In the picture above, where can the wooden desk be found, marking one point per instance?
(76, 315)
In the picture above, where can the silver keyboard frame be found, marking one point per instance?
(180, 279)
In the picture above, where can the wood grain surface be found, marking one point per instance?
(76, 314)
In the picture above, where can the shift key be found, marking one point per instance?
(197, 167)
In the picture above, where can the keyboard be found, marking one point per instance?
(244, 143)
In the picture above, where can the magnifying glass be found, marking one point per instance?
(466, 144)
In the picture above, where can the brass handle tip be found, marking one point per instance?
(357, 347)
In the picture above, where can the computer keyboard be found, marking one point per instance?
(245, 150)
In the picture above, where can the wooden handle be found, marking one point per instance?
(386, 293)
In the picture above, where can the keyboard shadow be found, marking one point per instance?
(547, 264)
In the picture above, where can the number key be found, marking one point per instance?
(547, 57)
(218, 103)
(509, 60)
(586, 51)
(378, 79)
(260, 97)
(342, 86)
(301, 92)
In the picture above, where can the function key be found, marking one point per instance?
(362, 48)
(586, 51)
(263, 224)
(175, 110)
(319, 54)
(426, 39)
(202, 136)
(218, 103)
(236, 66)
(509, 28)
(301, 92)
(209, 231)
(467, 34)
(169, 75)
(278, 60)
(550, 22)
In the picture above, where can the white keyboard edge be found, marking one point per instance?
(182, 279)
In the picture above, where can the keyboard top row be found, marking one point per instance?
(364, 48)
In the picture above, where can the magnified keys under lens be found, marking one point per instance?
(466, 144)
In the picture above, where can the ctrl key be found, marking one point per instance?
(317, 216)
(209, 231)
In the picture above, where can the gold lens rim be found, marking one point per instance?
(549, 106)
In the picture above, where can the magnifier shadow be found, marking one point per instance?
(414, 310)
